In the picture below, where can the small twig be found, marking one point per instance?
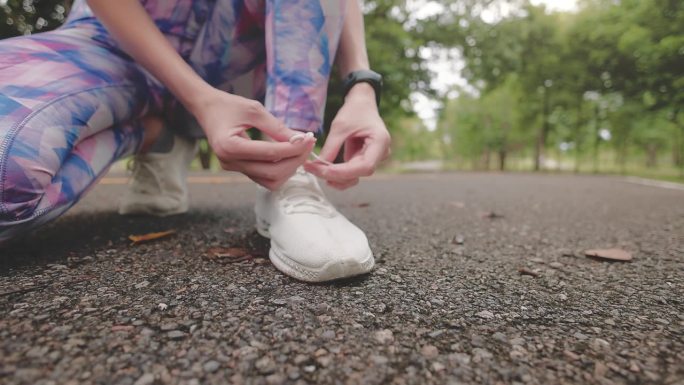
(525, 271)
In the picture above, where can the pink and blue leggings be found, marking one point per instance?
(71, 100)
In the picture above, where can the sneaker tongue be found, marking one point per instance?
(303, 195)
(300, 177)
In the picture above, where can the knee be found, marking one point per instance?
(21, 189)
(30, 155)
(26, 170)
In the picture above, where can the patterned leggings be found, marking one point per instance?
(71, 100)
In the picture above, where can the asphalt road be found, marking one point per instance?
(447, 303)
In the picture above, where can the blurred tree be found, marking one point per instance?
(528, 46)
(412, 141)
(653, 132)
(592, 76)
(483, 127)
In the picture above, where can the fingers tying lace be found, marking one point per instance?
(299, 137)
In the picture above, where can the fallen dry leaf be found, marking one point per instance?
(617, 255)
(228, 254)
(137, 239)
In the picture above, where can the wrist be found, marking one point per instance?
(197, 96)
(362, 92)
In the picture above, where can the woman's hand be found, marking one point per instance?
(366, 141)
(225, 119)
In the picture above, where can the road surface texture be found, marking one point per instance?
(446, 304)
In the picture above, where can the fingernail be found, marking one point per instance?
(296, 138)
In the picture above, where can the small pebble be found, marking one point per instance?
(429, 351)
(379, 360)
(169, 326)
(384, 336)
(486, 314)
(328, 335)
(265, 365)
(176, 335)
(211, 366)
(145, 379)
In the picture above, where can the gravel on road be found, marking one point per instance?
(480, 278)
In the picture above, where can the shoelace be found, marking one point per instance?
(304, 198)
(134, 166)
(297, 137)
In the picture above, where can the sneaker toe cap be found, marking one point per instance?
(324, 252)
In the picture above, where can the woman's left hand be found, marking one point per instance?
(366, 141)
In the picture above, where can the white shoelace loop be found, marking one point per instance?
(298, 137)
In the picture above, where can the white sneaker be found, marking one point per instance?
(310, 240)
(159, 184)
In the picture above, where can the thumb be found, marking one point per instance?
(259, 117)
(332, 146)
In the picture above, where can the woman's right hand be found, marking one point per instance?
(225, 119)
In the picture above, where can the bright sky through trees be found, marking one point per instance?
(446, 69)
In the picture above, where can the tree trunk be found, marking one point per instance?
(578, 135)
(502, 160)
(651, 155)
(543, 133)
(676, 144)
(622, 156)
(486, 159)
(597, 138)
(679, 152)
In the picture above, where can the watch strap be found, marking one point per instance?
(364, 76)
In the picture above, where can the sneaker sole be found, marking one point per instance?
(143, 210)
(146, 208)
(332, 270)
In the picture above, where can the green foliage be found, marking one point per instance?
(23, 17)
(413, 142)
(479, 127)
(616, 66)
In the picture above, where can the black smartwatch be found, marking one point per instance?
(364, 76)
